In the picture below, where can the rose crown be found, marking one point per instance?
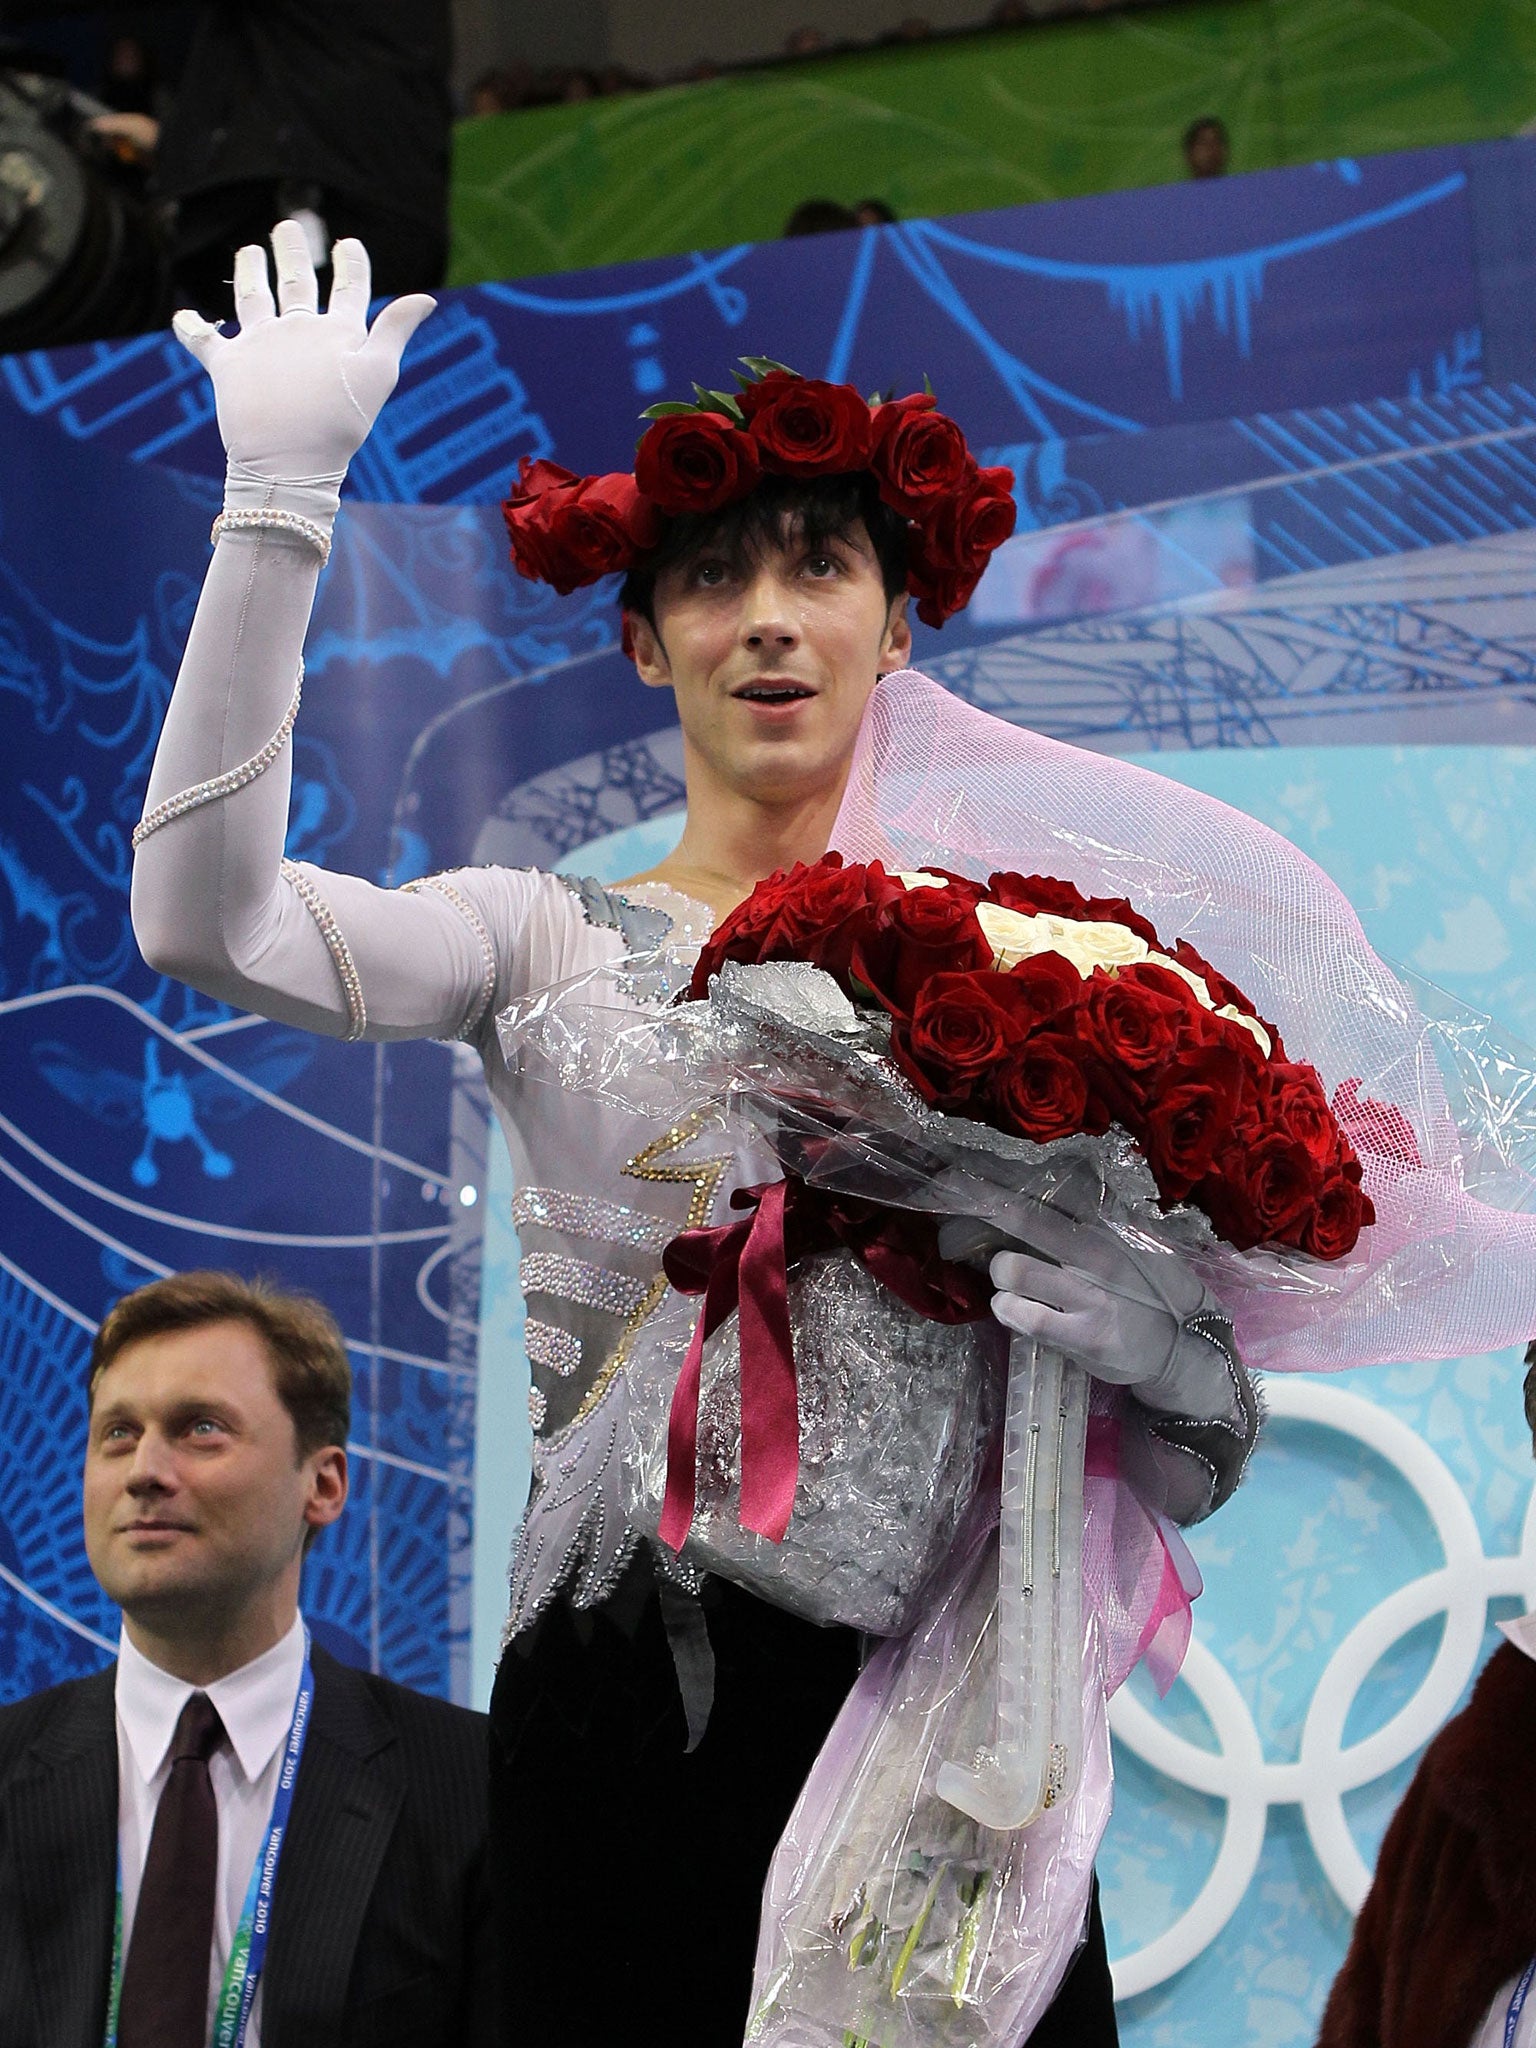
(570, 531)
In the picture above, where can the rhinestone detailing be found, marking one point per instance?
(580, 1282)
(335, 943)
(443, 887)
(591, 1216)
(641, 927)
(616, 1360)
(704, 1175)
(226, 784)
(1216, 1329)
(554, 1349)
(538, 1408)
(692, 921)
(268, 519)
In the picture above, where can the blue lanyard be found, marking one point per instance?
(1517, 2003)
(248, 1949)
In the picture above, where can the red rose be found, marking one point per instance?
(740, 935)
(1225, 1200)
(1136, 1019)
(1294, 1103)
(964, 528)
(695, 462)
(610, 521)
(534, 554)
(965, 1025)
(959, 1031)
(1282, 1183)
(1043, 987)
(765, 390)
(539, 486)
(570, 534)
(804, 427)
(1191, 1113)
(919, 456)
(1336, 1219)
(919, 933)
(1034, 894)
(822, 916)
(941, 589)
(535, 479)
(1042, 1092)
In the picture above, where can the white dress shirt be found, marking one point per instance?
(255, 1704)
(1522, 1633)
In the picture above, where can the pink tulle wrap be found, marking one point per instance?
(1442, 1273)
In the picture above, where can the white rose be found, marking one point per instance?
(922, 880)
(1013, 936)
(1091, 944)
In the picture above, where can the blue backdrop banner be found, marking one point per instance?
(1274, 442)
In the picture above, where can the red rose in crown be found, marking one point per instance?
(695, 458)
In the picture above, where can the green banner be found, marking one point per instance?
(1043, 112)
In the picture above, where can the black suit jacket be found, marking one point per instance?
(381, 1924)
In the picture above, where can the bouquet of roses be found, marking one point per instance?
(913, 1042)
(1024, 1005)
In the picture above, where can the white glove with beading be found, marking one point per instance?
(298, 390)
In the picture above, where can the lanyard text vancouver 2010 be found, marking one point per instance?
(247, 1952)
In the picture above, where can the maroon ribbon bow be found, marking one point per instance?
(745, 1266)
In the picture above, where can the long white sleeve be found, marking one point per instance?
(212, 903)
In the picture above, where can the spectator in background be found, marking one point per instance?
(916, 28)
(1207, 147)
(500, 90)
(128, 84)
(804, 42)
(337, 115)
(613, 79)
(873, 213)
(819, 217)
(130, 131)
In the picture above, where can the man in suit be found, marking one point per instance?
(153, 1793)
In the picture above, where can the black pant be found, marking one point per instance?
(408, 255)
(629, 1876)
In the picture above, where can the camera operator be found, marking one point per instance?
(337, 115)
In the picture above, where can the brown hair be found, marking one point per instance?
(310, 1368)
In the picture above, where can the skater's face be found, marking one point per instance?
(772, 654)
(197, 1498)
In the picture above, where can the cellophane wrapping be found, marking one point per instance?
(898, 1417)
(892, 1919)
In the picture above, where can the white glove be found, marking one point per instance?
(1117, 1308)
(297, 390)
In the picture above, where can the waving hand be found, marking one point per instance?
(298, 390)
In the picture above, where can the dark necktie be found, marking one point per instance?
(165, 1977)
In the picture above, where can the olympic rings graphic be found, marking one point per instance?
(1237, 1770)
